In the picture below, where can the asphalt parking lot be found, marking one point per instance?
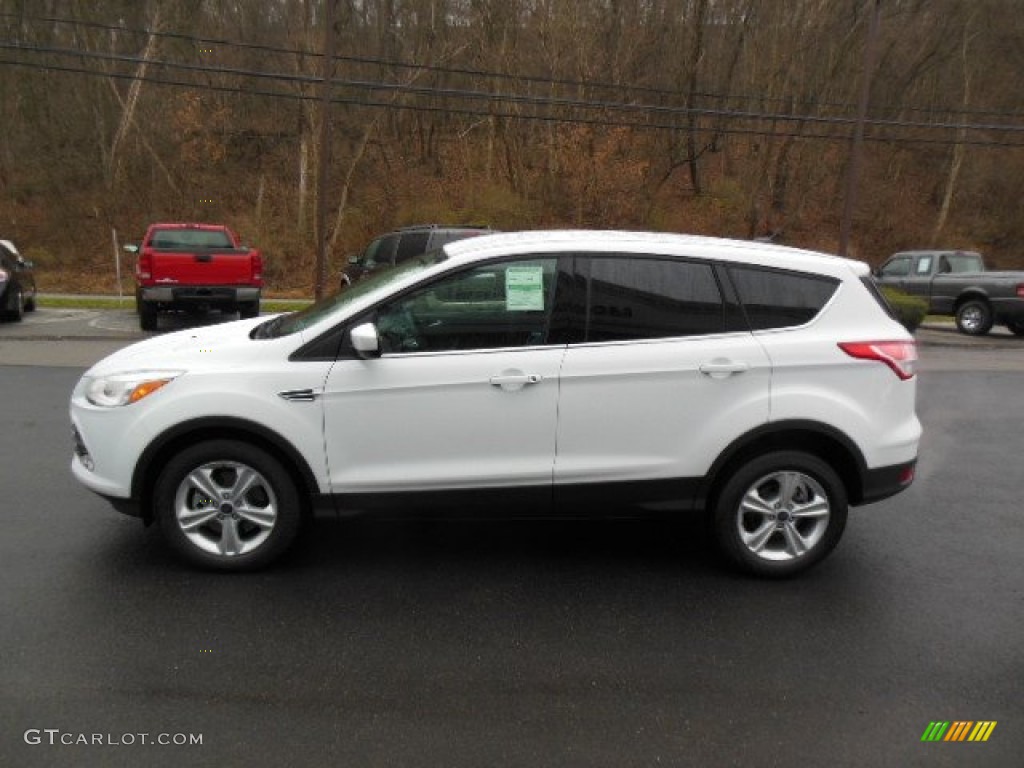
(519, 643)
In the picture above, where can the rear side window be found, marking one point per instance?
(411, 244)
(774, 299)
(649, 298)
(965, 262)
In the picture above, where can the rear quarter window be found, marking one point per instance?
(777, 299)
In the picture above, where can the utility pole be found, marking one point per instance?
(857, 145)
(324, 160)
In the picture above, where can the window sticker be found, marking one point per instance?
(524, 289)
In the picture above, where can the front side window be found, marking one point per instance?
(631, 298)
(898, 267)
(775, 299)
(494, 306)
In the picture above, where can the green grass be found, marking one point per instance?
(128, 302)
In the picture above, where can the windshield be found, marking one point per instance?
(284, 325)
(369, 256)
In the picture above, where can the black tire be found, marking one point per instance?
(17, 312)
(147, 316)
(224, 534)
(30, 304)
(248, 309)
(974, 317)
(768, 531)
(1016, 326)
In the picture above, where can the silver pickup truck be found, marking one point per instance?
(956, 283)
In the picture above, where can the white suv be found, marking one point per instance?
(528, 372)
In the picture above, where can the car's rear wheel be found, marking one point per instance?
(780, 513)
(227, 505)
(974, 317)
(147, 315)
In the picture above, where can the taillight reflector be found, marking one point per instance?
(900, 356)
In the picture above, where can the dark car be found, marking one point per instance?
(17, 283)
(402, 244)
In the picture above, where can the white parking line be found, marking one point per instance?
(122, 322)
(47, 316)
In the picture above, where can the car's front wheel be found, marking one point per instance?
(227, 505)
(780, 513)
(17, 310)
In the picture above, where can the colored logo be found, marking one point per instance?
(959, 730)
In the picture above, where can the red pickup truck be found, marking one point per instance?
(195, 267)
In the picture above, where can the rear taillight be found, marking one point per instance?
(257, 268)
(144, 268)
(1020, 290)
(900, 356)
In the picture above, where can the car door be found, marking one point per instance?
(919, 281)
(464, 395)
(896, 270)
(662, 382)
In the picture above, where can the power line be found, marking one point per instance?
(547, 81)
(519, 99)
(449, 110)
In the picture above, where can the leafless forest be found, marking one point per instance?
(725, 117)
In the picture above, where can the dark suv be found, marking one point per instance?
(402, 244)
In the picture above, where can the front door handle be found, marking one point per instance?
(721, 369)
(513, 381)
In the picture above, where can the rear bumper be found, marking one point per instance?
(1008, 309)
(200, 294)
(883, 482)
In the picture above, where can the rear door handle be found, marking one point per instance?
(721, 369)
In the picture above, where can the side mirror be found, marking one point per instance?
(25, 263)
(365, 341)
(130, 248)
(353, 258)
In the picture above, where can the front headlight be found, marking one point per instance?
(126, 388)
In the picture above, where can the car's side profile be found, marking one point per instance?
(533, 373)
